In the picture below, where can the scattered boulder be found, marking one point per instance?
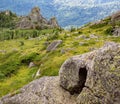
(116, 32)
(93, 36)
(54, 45)
(31, 64)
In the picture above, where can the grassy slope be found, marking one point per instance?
(17, 57)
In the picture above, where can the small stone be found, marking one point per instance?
(31, 64)
(93, 36)
(38, 73)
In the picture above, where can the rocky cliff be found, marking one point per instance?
(36, 21)
(91, 78)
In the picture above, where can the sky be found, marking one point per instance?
(83, 3)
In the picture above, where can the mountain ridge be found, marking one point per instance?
(65, 15)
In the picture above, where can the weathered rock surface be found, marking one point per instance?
(94, 76)
(102, 84)
(36, 21)
(54, 45)
(115, 17)
(42, 91)
(116, 32)
(91, 78)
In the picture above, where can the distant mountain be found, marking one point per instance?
(75, 12)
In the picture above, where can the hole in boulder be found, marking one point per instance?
(82, 80)
(82, 77)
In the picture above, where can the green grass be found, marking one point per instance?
(14, 71)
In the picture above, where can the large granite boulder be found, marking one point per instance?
(103, 81)
(73, 72)
(91, 78)
(41, 91)
(94, 76)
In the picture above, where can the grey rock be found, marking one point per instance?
(94, 76)
(102, 83)
(31, 64)
(24, 23)
(41, 91)
(54, 45)
(93, 36)
(53, 23)
(116, 32)
(115, 17)
(91, 78)
(36, 21)
(74, 71)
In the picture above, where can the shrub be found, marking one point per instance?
(53, 36)
(9, 68)
(28, 58)
(109, 31)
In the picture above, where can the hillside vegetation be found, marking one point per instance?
(18, 48)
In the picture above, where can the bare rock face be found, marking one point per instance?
(24, 23)
(41, 91)
(54, 45)
(115, 17)
(91, 78)
(53, 22)
(36, 21)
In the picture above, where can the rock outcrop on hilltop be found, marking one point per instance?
(36, 21)
(115, 17)
(91, 78)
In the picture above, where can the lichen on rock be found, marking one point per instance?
(91, 78)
